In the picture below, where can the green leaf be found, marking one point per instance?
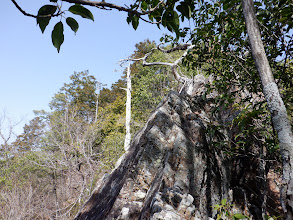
(217, 207)
(286, 12)
(82, 11)
(135, 22)
(47, 10)
(144, 5)
(43, 23)
(225, 6)
(129, 17)
(155, 3)
(258, 3)
(228, 4)
(57, 35)
(170, 20)
(283, 19)
(72, 23)
(240, 216)
(224, 202)
(167, 20)
(43, 11)
(176, 20)
(184, 9)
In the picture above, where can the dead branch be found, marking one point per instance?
(174, 65)
(178, 47)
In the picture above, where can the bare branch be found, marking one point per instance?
(174, 65)
(178, 47)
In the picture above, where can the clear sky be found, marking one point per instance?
(32, 71)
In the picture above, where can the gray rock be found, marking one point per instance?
(169, 172)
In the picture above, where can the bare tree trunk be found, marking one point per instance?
(128, 111)
(99, 88)
(275, 104)
(97, 102)
(97, 105)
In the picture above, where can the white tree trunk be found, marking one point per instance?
(276, 106)
(97, 102)
(99, 87)
(97, 106)
(128, 111)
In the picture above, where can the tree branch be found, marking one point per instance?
(113, 6)
(151, 22)
(101, 5)
(174, 65)
(178, 47)
(35, 16)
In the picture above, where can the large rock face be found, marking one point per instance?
(169, 171)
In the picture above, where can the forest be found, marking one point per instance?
(225, 81)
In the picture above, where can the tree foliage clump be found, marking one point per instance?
(61, 154)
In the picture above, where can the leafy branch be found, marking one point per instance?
(37, 16)
(46, 12)
(105, 5)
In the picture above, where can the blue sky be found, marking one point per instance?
(31, 69)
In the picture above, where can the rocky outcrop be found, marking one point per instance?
(170, 170)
